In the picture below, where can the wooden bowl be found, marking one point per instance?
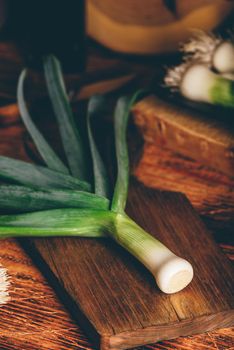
(151, 26)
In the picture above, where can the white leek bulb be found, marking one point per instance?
(171, 272)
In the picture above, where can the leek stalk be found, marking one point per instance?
(171, 272)
(57, 222)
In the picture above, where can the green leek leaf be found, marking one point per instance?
(36, 176)
(101, 181)
(46, 152)
(23, 199)
(56, 222)
(121, 115)
(71, 139)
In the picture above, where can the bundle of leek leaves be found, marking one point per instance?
(59, 200)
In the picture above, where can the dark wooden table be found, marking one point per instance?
(35, 318)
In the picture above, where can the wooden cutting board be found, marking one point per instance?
(116, 300)
(111, 295)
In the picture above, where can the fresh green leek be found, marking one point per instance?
(46, 152)
(24, 199)
(71, 138)
(93, 218)
(171, 272)
(207, 73)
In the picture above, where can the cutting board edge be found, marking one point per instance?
(154, 333)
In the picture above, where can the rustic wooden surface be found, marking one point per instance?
(210, 192)
(35, 319)
(106, 284)
(102, 75)
(208, 139)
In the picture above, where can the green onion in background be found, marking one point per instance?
(90, 215)
(198, 83)
(211, 50)
(207, 71)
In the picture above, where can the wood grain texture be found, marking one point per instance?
(210, 192)
(118, 297)
(206, 139)
(35, 318)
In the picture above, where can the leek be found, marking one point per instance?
(171, 272)
(90, 214)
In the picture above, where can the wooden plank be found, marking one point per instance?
(210, 192)
(116, 298)
(206, 139)
(41, 322)
(34, 318)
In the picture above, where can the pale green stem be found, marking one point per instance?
(171, 272)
